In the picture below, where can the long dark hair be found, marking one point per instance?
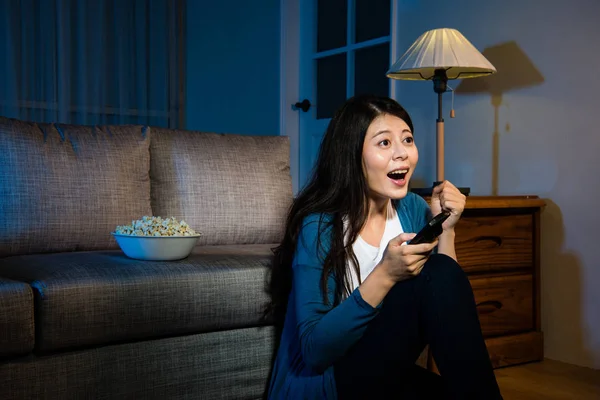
(338, 188)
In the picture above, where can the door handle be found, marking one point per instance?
(304, 105)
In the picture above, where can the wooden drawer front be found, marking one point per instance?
(505, 304)
(488, 243)
(515, 349)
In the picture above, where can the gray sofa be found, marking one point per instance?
(79, 319)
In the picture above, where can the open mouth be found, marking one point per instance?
(398, 174)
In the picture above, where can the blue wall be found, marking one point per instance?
(233, 67)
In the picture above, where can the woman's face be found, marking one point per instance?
(389, 157)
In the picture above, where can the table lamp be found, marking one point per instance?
(439, 55)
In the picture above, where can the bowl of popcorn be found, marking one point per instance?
(157, 239)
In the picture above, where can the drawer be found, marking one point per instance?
(504, 304)
(515, 349)
(493, 243)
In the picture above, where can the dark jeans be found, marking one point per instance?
(436, 308)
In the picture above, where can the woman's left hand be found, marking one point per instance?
(446, 196)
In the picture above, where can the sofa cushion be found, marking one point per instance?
(66, 187)
(93, 298)
(234, 189)
(231, 364)
(17, 333)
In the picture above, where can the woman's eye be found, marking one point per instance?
(409, 139)
(384, 143)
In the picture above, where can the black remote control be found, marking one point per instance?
(432, 230)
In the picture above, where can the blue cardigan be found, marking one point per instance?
(315, 334)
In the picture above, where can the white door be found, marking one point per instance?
(345, 48)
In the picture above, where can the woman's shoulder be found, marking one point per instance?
(317, 217)
(314, 239)
(316, 224)
(316, 221)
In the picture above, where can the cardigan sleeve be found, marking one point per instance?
(326, 332)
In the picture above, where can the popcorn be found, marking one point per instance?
(156, 226)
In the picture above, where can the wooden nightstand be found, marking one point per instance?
(498, 245)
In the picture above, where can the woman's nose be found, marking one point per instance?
(400, 152)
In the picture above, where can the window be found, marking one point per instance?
(352, 51)
(93, 62)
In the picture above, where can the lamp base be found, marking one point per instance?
(427, 191)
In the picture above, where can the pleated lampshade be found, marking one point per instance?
(445, 49)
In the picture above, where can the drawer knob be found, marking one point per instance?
(488, 307)
(497, 240)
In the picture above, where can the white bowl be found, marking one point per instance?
(156, 248)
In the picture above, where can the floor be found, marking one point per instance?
(549, 380)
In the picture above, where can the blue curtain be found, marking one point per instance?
(93, 62)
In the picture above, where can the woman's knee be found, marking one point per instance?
(440, 268)
(444, 268)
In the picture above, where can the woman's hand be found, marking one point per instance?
(399, 262)
(446, 196)
(402, 262)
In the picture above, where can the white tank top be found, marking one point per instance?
(368, 256)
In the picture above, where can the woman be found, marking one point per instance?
(358, 303)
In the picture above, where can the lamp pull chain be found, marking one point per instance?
(452, 114)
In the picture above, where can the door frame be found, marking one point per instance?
(289, 76)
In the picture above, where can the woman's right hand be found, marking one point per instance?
(402, 262)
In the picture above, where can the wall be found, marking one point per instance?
(547, 138)
(233, 66)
